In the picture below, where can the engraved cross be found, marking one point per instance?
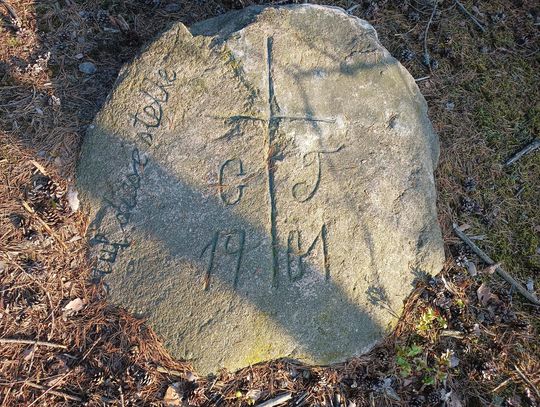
(272, 121)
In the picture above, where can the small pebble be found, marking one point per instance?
(88, 68)
(450, 105)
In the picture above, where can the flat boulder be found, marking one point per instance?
(260, 186)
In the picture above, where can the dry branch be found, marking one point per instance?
(48, 390)
(517, 285)
(524, 377)
(529, 148)
(468, 14)
(54, 392)
(31, 342)
(427, 56)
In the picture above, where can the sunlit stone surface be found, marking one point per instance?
(261, 186)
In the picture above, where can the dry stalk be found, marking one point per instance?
(31, 342)
(516, 284)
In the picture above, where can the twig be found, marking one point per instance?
(423, 78)
(277, 400)
(48, 390)
(452, 333)
(54, 392)
(468, 14)
(527, 380)
(524, 151)
(39, 167)
(351, 9)
(517, 285)
(500, 386)
(31, 342)
(427, 57)
(12, 13)
(171, 372)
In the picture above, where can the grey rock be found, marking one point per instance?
(261, 186)
(88, 68)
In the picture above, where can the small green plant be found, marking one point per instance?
(460, 303)
(405, 357)
(412, 361)
(430, 321)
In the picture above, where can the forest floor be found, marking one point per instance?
(463, 340)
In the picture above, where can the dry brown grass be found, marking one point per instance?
(110, 358)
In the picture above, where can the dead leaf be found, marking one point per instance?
(74, 306)
(471, 268)
(464, 227)
(491, 269)
(254, 395)
(73, 199)
(172, 397)
(485, 295)
(454, 361)
(191, 377)
(453, 400)
(29, 353)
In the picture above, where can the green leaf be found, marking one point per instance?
(428, 380)
(414, 350)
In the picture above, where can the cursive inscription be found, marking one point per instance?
(124, 197)
(107, 254)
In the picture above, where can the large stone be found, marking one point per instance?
(261, 186)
